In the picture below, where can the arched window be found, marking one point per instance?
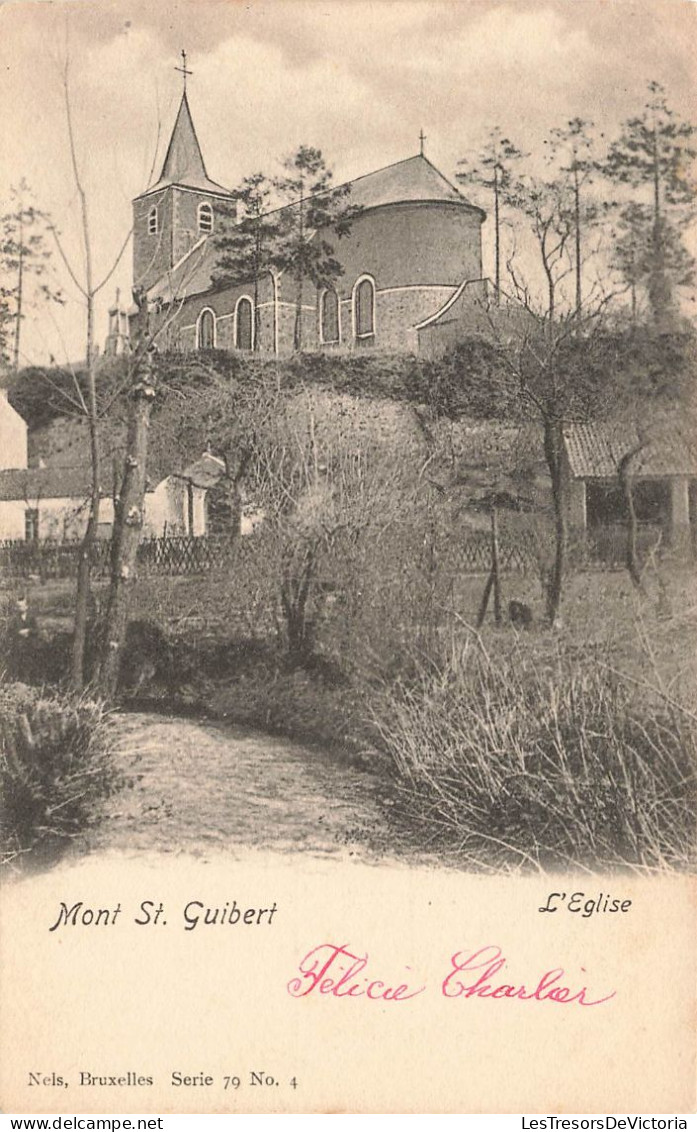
(205, 218)
(329, 317)
(152, 221)
(205, 330)
(244, 324)
(364, 307)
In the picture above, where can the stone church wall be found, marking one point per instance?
(416, 254)
(185, 210)
(151, 254)
(423, 242)
(177, 220)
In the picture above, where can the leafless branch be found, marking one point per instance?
(73, 276)
(115, 264)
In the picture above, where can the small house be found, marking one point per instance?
(53, 502)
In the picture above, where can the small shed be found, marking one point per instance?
(662, 463)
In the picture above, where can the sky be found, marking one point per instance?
(358, 80)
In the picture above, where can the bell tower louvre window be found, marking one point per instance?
(205, 218)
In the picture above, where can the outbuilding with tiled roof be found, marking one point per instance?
(660, 455)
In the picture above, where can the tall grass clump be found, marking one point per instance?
(55, 766)
(525, 761)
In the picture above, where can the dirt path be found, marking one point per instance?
(201, 787)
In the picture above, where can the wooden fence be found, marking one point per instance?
(174, 555)
(519, 552)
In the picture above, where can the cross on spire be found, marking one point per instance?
(422, 139)
(182, 70)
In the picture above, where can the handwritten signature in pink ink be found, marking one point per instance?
(333, 969)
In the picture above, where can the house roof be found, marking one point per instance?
(56, 482)
(183, 164)
(661, 447)
(415, 179)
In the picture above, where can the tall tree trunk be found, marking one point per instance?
(656, 177)
(257, 269)
(551, 284)
(631, 556)
(554, 455)
(20, 287)
(495, 564)
(577, 239)
(497, 236)
(128, 528)
(298, 330)
(255, 322)
(295, 592)
(660, 290)
(83, 590)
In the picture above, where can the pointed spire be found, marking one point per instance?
(184, 160)
(183, 164)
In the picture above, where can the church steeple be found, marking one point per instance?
(179, 210)
(184, 164)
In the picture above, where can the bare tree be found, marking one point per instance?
(88, 287)
(561, 369)
(129, 511)
(571, 152)
(494, 167)
(312, 487)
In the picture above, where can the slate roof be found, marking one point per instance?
(411, 180)
(184, 164)
(665, 447)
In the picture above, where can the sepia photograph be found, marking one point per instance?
(348, 531)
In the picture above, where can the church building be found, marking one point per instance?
(411, 262)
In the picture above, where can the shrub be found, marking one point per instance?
(55, 765)
(543, 764)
